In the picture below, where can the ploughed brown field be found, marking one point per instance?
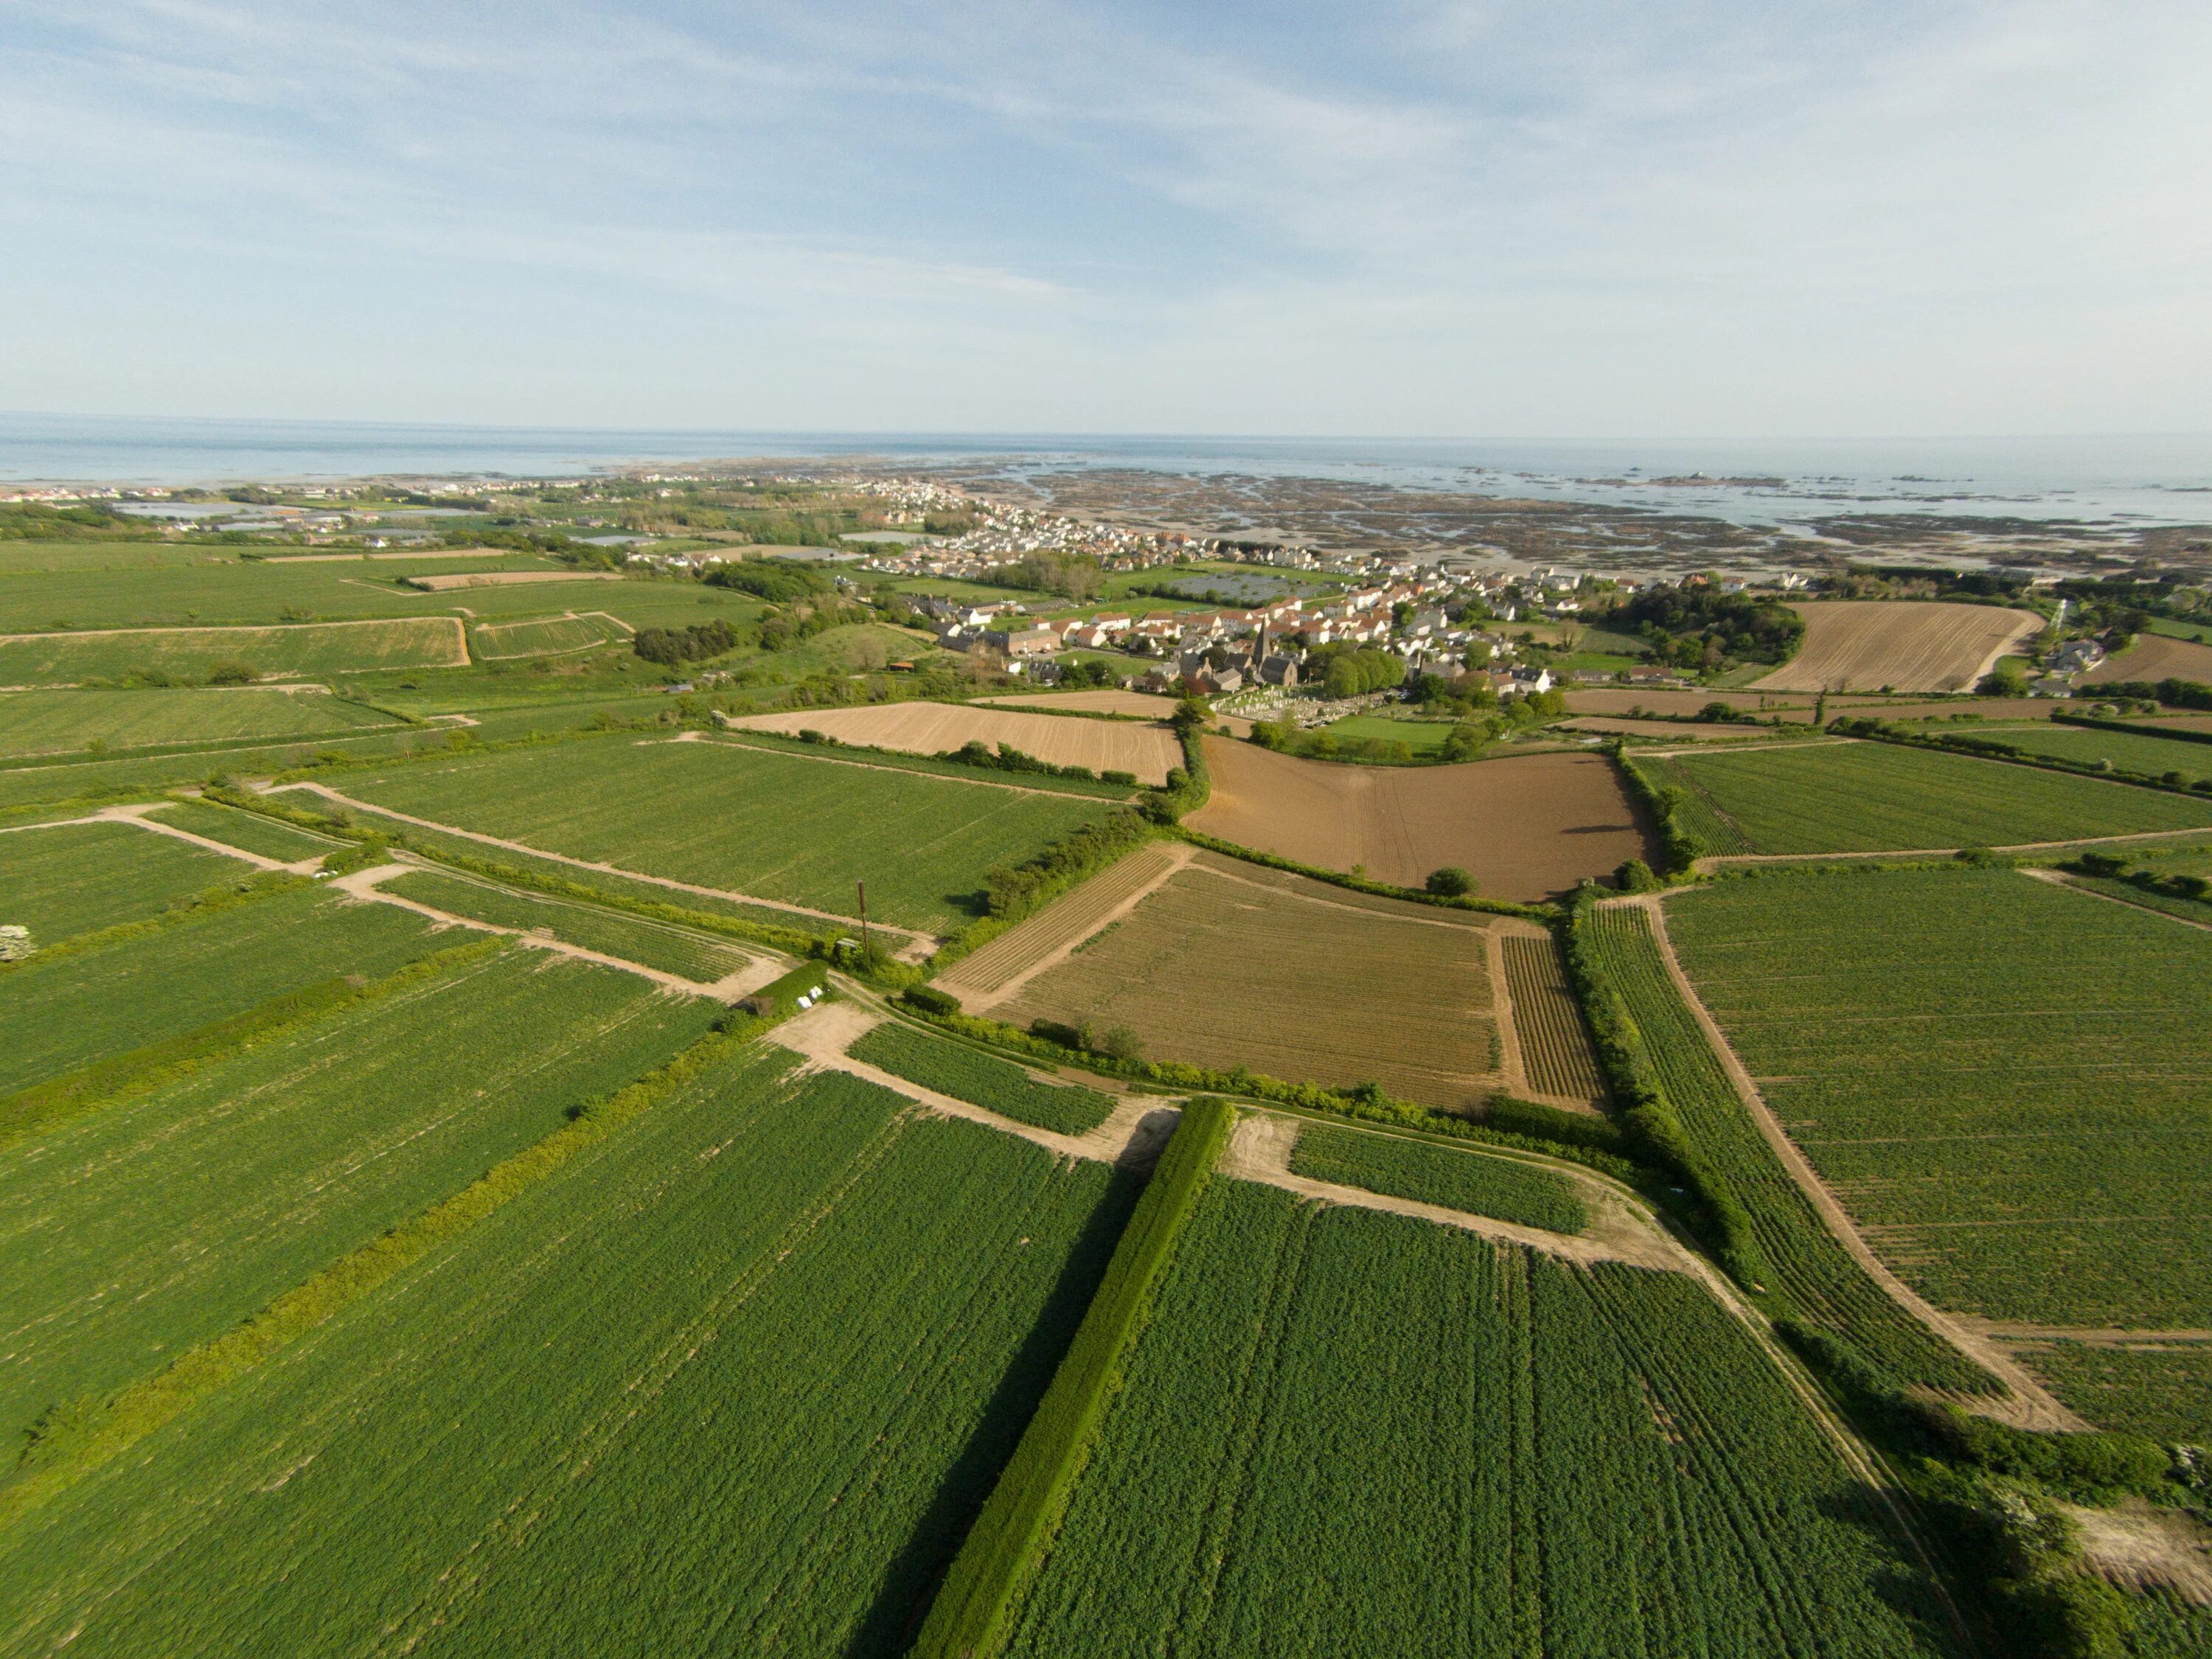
(1229, 965)
(2154, 657)
(1901, 645)
(930, 728)
(506, 578)
(1526, 827)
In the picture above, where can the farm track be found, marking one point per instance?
(2032, 1406)
(918, 946)
(998, 972)
(2060, 879)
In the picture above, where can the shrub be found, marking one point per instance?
(1450, 882)
(930, 1001)
(232, 673)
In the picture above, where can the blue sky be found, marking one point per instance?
(1554, 220)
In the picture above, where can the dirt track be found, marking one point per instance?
(931, 728)
(1904, 645)
(1526, 827)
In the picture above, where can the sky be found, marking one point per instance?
(1564, 219)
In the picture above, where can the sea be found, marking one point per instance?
(2106, 481)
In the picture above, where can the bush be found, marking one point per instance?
(930, 1001)
(232, 673)
(1450, 882)
(1635, 875)
(671, 645)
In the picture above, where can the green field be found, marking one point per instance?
(1421, 737)
(66, 1011)
(74, 879)
(1879, 796)
(550, 635)
(1814, 1276)
(139, 1228)
(142, 777)
(997, 1085)
(763, 1352)
(672, 949)
(2020, 1145)
(1480, 1185)
(1348, 1432)
(305, 650)
(2161, 1392)
(1697, 812)
(796, 830)
(73, 721)
(248, 830)
(2129, 752)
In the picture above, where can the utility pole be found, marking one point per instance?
(863, 887)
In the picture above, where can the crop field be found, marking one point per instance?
(982, 978)
(1823, 1284)
(1879, 796)
(1668, 700)
(548, 636)
(69, 1010)
(446, 581)
(1608, 1464)
(148, 774)
(303, 650)
(65, 879)
(789, 828)
(763, 1351)
(2162, 1391)
(1714, 830)
(1899, 644)
(249, 831)
(2154, 657)
(668, 947)
(1669, 731)
(1555, 1046)
(1526, 827)
(932, 728)
(71, 721)
(982, 1080)
(1298, 1003)
(2130, 752)
(2021, 1147)
(139, 1228)
(1430, 1174)
(1149, 704)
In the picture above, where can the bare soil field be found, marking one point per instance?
(1989, 708)
(2154, 657)
(1100, 702)
(1555, 1046)
(1904, 645)
(930, 728)
(1226, 965)
(999, 969)
(1526, 827)
(505, 577)
(1671, 731)
(1609, 701)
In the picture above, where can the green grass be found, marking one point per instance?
(140, 777)
(763, 1351)
(305, 650)
(1422, 737)
(248, 830)
(141, 1228)
(775, 826)
(664, 945)
(1478, 1184)
(1813, 1277)
(61, 1012)
(1878, 797)
(2201, 632)
(997, 1085)
(75, 721)
(1348, 1432)
(2129, 752)
(2008, 1084)
(74, 878)
(2162, 1393)
(547, 635)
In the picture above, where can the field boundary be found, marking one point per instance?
(2033, 1407)
(1173, 858)
(2060, 879)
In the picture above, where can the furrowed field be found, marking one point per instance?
(1824, 1286)
(997, 1085)
(1403, 1168)
(70, 878)
(304, 650)
(789, 828)
(1348, 1432)
(2028, 1146)
(67, 722)
(731, 1382)
(1879, 796)
(1555, 1046)
(137, 1228)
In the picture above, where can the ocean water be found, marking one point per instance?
(2100, 480)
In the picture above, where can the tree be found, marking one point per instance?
(1121, 1043)
(1450, 882)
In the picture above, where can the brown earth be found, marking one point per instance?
(1554, 1045)
(1904, 645)
(931, 728)
(2154, 657)
(1002, 967)
(505, 579)
(1103, 702)
(1526, 827)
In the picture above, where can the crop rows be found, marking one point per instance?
(64, 721)
(1950, 1091)
(996, 1085)
(2160, 1391)
(1696, 813)
(2130, 752)
(1555, 1046)
(634, 939)
(75, 879)
(1824, 1285)
(1075, 916)
(1348, 1432)
(304, 649)
(1473, 1181)
(1878, 797)
(731, 1382)
(248, 830)
(546, 636)
(137, 1229)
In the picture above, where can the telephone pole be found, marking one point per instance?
(863, 887)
